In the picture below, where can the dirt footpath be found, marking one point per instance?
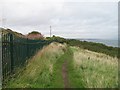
(65, 75)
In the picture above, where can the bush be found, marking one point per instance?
(97, 47)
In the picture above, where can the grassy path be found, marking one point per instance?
(85, 69)
(38, 73)
(60, 75)
(61, 66)
(65, 74)
(49, 68)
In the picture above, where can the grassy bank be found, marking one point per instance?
(96, 47)
(85, 69)
(38, 72)
(95, 70)
(44, 70)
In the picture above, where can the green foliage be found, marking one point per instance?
(96, 47)
(82, 72)
(57, 80)
(73, 80)
(6, 31)
(56, 39)
(34, 32)
(38, 72)
(97, 71)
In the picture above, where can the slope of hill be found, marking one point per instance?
(33, 35)
(95, 70)
(39, 70)
(75, 64)
(60, 66)
(5, 31)
(96, 47)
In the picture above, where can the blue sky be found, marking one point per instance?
(68, 18)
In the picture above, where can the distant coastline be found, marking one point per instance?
(113, 43)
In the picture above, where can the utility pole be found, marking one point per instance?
(50, 31)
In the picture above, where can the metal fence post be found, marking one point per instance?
(27, 49)
(11, 52)
(1, 74)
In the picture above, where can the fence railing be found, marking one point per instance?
(16, 51)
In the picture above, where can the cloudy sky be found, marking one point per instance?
(68, 18)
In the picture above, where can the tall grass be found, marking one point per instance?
(92, 46)
(57, 80)
(38, 72)
(86, 69)
(96, 70)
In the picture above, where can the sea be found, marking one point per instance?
(113, 43)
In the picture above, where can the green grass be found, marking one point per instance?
(96, 70)
(74, 78)
(57, 78)
(38, 72)
(45, 70)
(86, 69)
(92, 46)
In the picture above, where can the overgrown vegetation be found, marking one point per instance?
(57, 79)
(5, 31)
(89, 65)
(34, 32)
(95, 70)
(85, 69)
(96, 47)
(38, 72)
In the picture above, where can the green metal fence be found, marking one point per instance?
(16, 51)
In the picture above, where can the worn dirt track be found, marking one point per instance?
(65, 74)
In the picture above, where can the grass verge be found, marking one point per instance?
(74, 78)
(85, 69)
(38, 72)
(96, 70)
(57, 80)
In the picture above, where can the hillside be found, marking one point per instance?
(5, 31)
(32, 35)
(97, 70)
(67, 63)
(60, 66)
(92, 46)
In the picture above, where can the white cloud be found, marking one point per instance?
(69, 18)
